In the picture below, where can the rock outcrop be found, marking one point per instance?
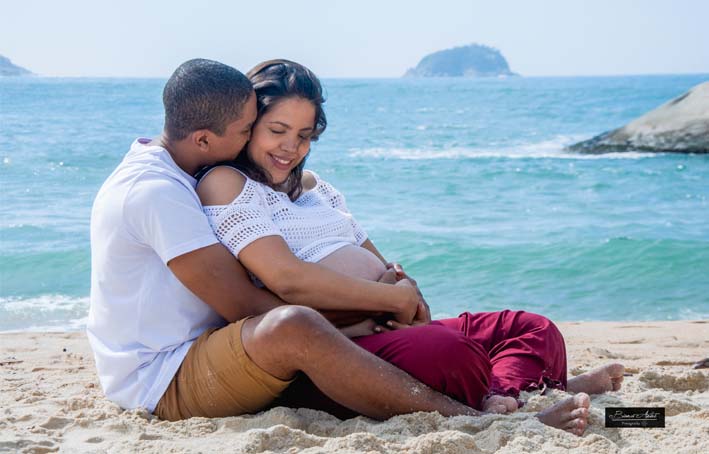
(7, 68)
(474, 60)
(678, 126)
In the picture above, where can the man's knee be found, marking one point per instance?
(291, 323)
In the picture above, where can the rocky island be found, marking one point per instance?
(7, 68)
(475, 60)
(678, 126)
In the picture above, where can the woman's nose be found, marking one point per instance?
(289, 145)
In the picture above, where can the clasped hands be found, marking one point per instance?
(415, 314)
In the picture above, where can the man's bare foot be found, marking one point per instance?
(598, 381)
(570, 414)
(500, 404)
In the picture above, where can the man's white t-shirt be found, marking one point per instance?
(142, 320)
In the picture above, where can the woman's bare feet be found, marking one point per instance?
(500, 404)
(598, 381)
(570, 414)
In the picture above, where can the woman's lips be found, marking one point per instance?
(280, 163)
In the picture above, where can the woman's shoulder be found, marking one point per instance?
(309, 180)
(312, 180)
(221, 185)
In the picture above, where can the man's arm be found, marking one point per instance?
(217, 278)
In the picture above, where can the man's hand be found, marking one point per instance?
(363, 328)
(342, 319)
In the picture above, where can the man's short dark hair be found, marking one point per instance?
(203, 94)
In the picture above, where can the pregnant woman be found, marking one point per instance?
(293, 232)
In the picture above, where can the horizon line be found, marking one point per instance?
(33, 75)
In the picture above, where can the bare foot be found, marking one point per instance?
(500, 404)
(598, 381)
(570, 414)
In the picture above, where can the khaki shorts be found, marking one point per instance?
(217, 378)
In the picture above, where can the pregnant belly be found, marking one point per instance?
(355, 261)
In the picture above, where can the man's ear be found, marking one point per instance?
(200, 139)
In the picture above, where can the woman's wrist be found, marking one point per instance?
(405, 300)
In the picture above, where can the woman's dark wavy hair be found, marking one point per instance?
(275, 81)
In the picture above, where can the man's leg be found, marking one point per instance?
(444, 359)
(290, 339)
(448, 370)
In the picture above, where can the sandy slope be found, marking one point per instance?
(50, 400)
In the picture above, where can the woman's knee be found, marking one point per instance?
(539, 323)
(457, 366)
(454, 356)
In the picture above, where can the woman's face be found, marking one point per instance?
(280, 138)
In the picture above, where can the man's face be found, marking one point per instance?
(227, 146)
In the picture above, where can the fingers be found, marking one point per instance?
(394, 325)
(389, 277)
(398, 269)
(423, 314)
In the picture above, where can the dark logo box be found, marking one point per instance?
(635, 417)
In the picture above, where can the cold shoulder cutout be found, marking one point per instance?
(220, 186)
(309, 181)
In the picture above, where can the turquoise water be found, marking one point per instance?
(465, 182)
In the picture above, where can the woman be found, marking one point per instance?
(293, 232)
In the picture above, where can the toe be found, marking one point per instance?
(582, 400)
(511, 404)
(615, 370)
(496, 408)
(576, 426)
(579, 413)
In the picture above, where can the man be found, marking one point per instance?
(162, 285)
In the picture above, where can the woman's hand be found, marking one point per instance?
(423, 312)
(410, 307)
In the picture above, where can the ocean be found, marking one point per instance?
(464, 181)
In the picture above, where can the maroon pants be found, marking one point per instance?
(467, 358)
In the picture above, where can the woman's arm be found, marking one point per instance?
(297, 282)
(310, 284)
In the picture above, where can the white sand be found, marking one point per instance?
(50, 400)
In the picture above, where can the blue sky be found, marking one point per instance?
(358, 38)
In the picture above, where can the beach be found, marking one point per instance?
(467, 182)
(51, 401)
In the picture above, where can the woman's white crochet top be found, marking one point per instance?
(314, 226)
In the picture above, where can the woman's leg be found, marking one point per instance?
(444, 359)
(527, 351)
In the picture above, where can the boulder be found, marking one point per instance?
(678, 126)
